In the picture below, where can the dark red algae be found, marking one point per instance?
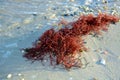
(64, 45)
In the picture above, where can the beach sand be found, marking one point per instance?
(15, 64)
(101, 61)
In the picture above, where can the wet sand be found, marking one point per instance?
(19, 34)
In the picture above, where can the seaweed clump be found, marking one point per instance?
(60, 45)
(87, 24)
(64, 46)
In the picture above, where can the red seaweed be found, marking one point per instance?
(87, 24)
(64, 45)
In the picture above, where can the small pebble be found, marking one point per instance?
(105, 7)
(45, 60)
(99, 11)
(94, 60)
(19, 74)
(27, 20)
(88, 2)
(86, 8)
(71, 14)
(72, 0)
(105, 52)
(102, 61)
(113, 12)
(103, 1)
(22, 51)
(65, 14)
(22, 79)
(9, 76)
(34, 14)
(52, 16)
(37, 27)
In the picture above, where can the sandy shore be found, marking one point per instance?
(15, 64)
(102, 58)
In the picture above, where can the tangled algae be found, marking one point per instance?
(64, 45)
